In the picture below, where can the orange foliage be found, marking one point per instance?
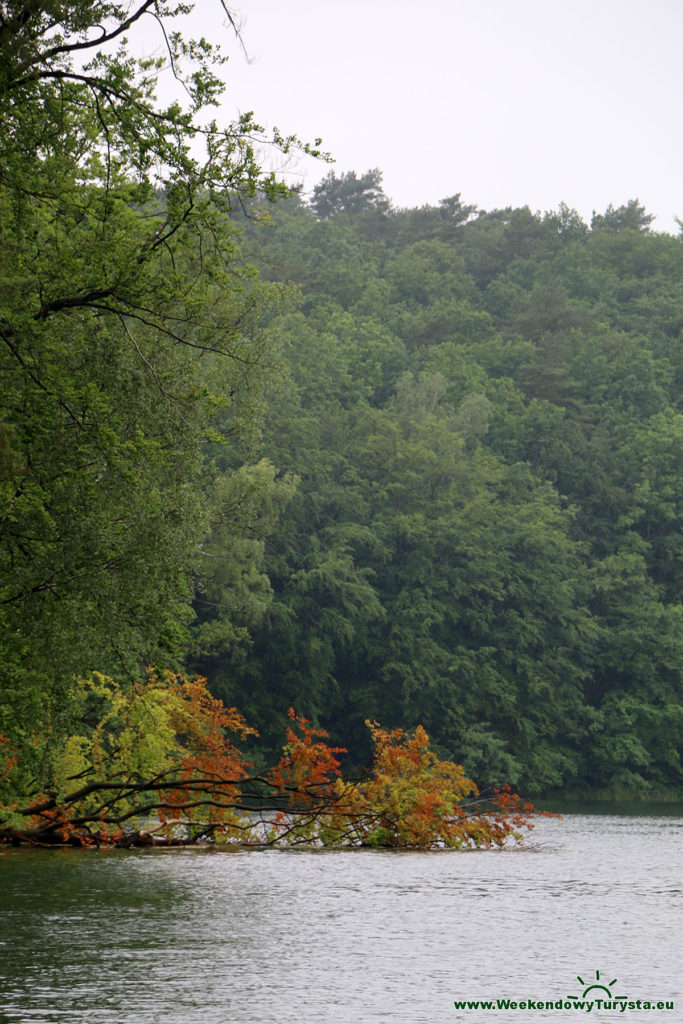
(161, 749)
(210, 763)
(9, 759)
(308, 767)
(161, 764)
(413, 799)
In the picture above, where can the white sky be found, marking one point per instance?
(509, 102)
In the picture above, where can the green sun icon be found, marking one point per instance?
(596, 986)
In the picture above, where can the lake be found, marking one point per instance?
(357, 937)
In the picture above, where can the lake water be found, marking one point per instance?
(213, 937)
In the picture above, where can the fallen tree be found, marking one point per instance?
(158, 764)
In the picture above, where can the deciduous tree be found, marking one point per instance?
(158, 762)
(128, 318)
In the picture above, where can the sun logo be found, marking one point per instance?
(597, 986)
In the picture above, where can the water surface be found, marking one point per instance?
(213, 937)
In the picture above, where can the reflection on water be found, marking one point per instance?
(297, 937)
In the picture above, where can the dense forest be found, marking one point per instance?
(480, 418)
(421, 467)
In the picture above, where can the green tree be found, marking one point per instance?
(482, 416)
(630, 217)
(128, 319)
(349, 194)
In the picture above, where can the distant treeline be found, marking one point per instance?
(474, 520)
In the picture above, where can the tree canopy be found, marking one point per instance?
(158, 763)
(482, 415)
(128, 318)
(418, 467)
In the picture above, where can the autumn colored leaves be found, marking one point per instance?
(158, 763)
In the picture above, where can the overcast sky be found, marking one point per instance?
(509, 102)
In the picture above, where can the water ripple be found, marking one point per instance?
(205, 937)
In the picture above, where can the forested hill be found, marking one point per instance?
(482, 414)
(411, 467)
